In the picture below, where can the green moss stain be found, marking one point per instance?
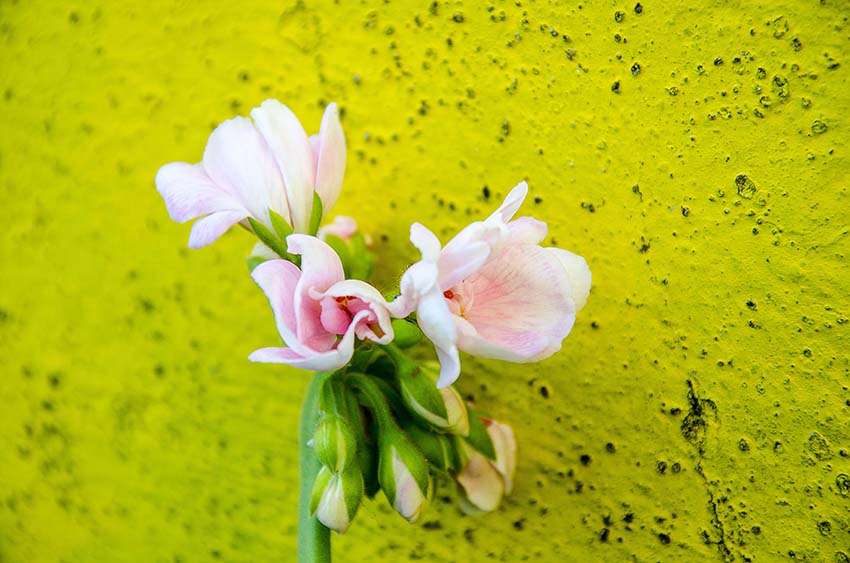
(696, 154)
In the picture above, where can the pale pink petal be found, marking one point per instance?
(511, 204)
(419, 279)
(206, 230)
(372, 298)
(314, 144)
(237, 159)
(334, 318)
(189, 193)
(526, 230)
(426, 241)
(331, 158)
(279, 279)
(294, 156)
(437, 323)
(578, 272)
(320, 269)
(523, 306)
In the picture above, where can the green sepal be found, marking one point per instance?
(365, 431)
(281, 225)
(352, 489)
(315, 215)
(478, 437)
(319, 486)
(417, 384)
(268, 237)
(414, 460)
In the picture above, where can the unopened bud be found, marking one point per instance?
(443, 409)
(336, 497)
(440, 450)
(334, 443)
(483, 481)
(407, 333)
(403, 474)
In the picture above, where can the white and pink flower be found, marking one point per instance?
(483, 481)
(493, 291)
(318, 312)
(249, 168)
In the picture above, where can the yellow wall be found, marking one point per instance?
(706, 381)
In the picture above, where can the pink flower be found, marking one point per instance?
(318, 312)
(249, 168)
(484, 482)
(493, 291)
(341, 227)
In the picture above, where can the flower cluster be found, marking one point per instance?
(384, 421)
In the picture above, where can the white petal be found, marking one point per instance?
(426, 241)
(330, 158)
(237, 159)
(511, 204)
(206, 230)
(291, 149)
(189, 193)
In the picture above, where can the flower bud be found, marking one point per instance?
(403, 474)
(440, 450)
(336, 497)
(334, 443)
(483, 481)
(443, 409)
(407, 333)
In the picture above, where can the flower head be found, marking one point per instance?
(493, 291)
(318, 312)
(256, 169)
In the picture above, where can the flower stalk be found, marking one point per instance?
(314, 541)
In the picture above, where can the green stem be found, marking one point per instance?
(314, 540)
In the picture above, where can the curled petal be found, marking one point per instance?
(278, 280)
(373, 299)
(291, 149)
(329, 360)
(426, 241)
(330, 158)
(320, 269)
(437, 323)
(504, 443)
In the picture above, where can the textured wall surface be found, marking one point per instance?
(695, 153)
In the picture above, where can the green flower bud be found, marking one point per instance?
(440, 450)
(403, 474)
(336, 497)
(443, 409)
(334, 442)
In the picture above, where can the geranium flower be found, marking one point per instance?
(249, 168)
(318, 312)
(493, 291)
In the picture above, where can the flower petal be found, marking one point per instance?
(523, 306)
(482, 485)
(189, 193)
(578, 272)
(237, 159)
(437, 322)
(206, 230)
(330, 158)
(511, 204)
(329, 360)
(459, 261)
(294, 156)
(504, 443)
(373, 298)
(320, 269)
(278, 279)
(526, 230)
(426, 241)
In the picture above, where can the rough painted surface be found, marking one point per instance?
(696, 155)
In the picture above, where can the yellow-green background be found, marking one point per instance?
(706, 381)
